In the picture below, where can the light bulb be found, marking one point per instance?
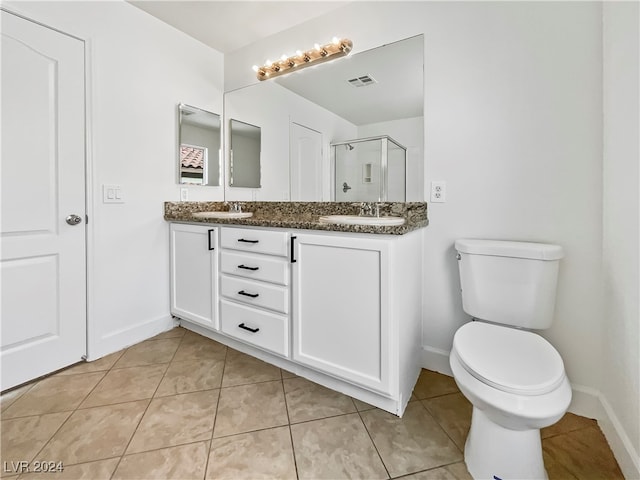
(255, 68)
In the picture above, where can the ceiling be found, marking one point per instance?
(229, 25)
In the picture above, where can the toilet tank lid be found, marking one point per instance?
(507, 248)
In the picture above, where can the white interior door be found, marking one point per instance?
(306, 164)
(42, 256)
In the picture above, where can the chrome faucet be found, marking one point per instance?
(234, 206)
(366, 209)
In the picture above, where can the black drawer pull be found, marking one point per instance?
(244, 240)
(252, 295)
(244, 327)
(253, 269)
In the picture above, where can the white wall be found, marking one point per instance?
(513, 123)
(139, 70)
(621, 261)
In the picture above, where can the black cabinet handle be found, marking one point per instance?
(209, 239)
(293, 239)
(252, 295)
(244, 267)
(244, 240)
(252, 330)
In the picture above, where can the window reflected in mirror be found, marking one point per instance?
(245, 148)
(199, 146)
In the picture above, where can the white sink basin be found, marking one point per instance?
(358, 220)
(222, 214)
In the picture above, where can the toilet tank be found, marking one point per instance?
(510, 283)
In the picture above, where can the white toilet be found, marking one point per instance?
(513, 377)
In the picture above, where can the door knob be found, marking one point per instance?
(73, 219)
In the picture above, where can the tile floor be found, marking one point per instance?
(181, 406)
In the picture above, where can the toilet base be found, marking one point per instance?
(494, 452)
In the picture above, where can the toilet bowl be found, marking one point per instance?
(515, 391)
(513, 377)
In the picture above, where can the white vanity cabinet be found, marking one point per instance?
(194, 273)
(254, 287)
(357, 309)
(341, 309)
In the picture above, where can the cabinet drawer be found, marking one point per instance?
(262, 329)
(257, 294)
(259, 241)
(256, 267)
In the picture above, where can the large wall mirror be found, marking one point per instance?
(244, 151)
(378, 92)
(199, 148)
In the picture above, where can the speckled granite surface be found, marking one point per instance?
(302, 215)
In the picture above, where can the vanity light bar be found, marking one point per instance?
(336, 49)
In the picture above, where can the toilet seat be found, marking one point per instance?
(510, 360)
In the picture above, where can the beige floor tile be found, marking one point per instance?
(287, 374)
(98, 470)
(183, 462)
(197, 347)
(412, 443)
(54, 394)
(309, 401)
(191, 376)
(264, 454)
(149, 352)
(95, 433)
(362, 406)
(431, 384)
(566, 424)
(100, 365)
(175, 332)
(22, 438)
(335, 448)
(241, 369)
(8, 398)
(250, 407)
(126, 385)
(453, 413)
(555, 471)
(455, 471)
(176, 420)
(584, 453)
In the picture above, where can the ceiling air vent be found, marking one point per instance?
(362, 81)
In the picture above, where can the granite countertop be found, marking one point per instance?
(301, 215)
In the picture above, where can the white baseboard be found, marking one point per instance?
(436, 360)
(586, 401)
(136, 333)
(627, 456)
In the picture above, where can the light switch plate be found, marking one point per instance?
(112, 193)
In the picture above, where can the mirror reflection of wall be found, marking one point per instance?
(199, 146)
(322, 99)
(245, 148)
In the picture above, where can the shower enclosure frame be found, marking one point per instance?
(383, 194)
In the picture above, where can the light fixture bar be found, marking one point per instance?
(336, 49)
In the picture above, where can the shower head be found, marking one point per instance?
(349, 146)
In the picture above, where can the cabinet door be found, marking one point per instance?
(340, 298)
(194, 271)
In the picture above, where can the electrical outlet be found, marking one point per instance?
(438, 191)
(184, 194)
